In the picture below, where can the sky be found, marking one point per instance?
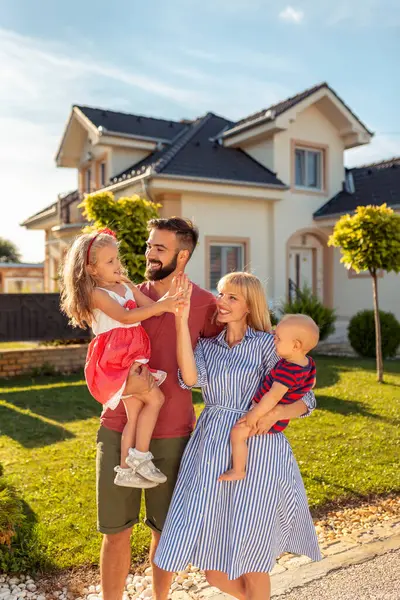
(179, 59)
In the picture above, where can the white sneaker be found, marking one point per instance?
(127, 478)
(143, 465)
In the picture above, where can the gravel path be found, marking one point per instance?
(377, 579)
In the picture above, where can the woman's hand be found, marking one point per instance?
(250, 419)
(185, 287)
(265, 423)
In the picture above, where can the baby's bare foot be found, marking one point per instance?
(232, 475)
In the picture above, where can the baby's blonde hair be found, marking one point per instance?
(305, 329)
(251, 288)
(77, 284)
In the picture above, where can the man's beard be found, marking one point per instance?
(164, 270)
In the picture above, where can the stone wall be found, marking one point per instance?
(63, 359)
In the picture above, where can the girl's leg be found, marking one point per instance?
(235, 588)
(239, 436)
(257, 586)
(133, 406)
(147, 419)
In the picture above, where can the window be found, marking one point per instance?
(309, 168)
(102, 174)
(88, 180)
(224, 257)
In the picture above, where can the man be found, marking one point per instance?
(170, 245)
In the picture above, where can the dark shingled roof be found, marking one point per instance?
(375, 184)
(119, 122)
(281, 107)
(197, 153)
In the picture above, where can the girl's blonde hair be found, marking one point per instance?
(77, 284)
(251, 288)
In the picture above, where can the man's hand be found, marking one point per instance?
(141, 380)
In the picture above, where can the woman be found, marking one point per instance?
(234, 531)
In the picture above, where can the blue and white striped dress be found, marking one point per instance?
(243, 526)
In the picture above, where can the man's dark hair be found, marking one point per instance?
(186, 231)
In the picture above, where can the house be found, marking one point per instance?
(21, 278)
(265, 191)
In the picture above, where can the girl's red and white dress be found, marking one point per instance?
(113, 351)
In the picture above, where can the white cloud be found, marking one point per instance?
(291, 14)
(39, 81)
(381, 147)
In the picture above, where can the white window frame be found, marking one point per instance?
(225, 243)
(306, 185)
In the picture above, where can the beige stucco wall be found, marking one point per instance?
(233, 217)
(355, 293)
(122, 158)
(295, 211)
(262, 152)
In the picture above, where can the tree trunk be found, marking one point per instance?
(378, 340)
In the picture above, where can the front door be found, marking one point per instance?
(302, 267)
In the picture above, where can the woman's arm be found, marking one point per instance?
(184, 350)
(113, 309)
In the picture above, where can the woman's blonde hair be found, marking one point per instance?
(77, 284)
(250, 287)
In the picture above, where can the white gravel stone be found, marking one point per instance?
(22, 586)
(148, 571)
(147, 593)
(13, 581)
(31, 587)
(41, 597)
(139, 588)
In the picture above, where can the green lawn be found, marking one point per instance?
(17, 345)
(350, 447)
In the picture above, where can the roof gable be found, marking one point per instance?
(272, 113)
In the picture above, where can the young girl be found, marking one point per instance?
(95, 293)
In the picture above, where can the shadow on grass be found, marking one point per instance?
(59, 403)
(25, 553)
(29, 430)
(350, 408)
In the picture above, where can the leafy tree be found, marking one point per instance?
(370, 241)
(128, 217)
(9, 252)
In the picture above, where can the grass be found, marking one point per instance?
(17, 345)
(349, 448)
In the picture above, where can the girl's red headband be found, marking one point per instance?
(107, 231)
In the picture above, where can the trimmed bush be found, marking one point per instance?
(307, 303)
(361, 333)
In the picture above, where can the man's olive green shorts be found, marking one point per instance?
(118, 507)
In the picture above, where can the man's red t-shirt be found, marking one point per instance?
(176, 418)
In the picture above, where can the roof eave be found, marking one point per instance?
(32, 222)
(274, 186)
